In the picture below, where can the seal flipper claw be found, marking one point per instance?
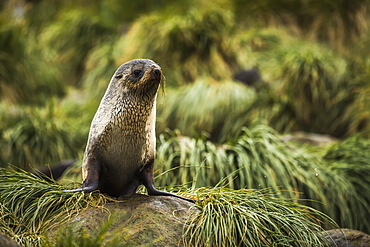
(154, 192)
(79, 189)
(147, 178)
(87, 188)
(91, 182)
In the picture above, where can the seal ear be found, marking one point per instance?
(119, 76)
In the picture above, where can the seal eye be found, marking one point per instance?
(119, 76)
(137, 72)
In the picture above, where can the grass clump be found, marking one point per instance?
(317, 87)
(30, 205)
(198, 41)
(260, 159)
(336, 22)
(229, 217)
(351, 159)
(193, 108)
(27, 73)
(36, 135)
(84, 33)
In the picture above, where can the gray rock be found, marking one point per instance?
(138, 220)
(310, 138)
(347, 238)
(5, 241)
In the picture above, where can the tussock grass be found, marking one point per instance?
(26, 74)
(317, 87)
(194, 110)
(30, 205)
(359, 112)
(101, 66)
(259, 159)
(334, 22)
(351, 159)
(36, 136)
(229, 217)
(197, 40)
(312, 88)
(84, 32)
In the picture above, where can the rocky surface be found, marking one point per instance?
(159, 221)
(137, 221)
(5, 241)
(347, 238)
(310, 138)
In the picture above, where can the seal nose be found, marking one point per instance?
(157, 72)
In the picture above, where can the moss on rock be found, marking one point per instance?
(141, 220)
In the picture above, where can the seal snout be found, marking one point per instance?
(157, 72)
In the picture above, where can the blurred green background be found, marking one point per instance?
(306, 68)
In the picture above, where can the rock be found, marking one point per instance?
(248, 76)
(138, 220)
(251, 78)
(310, 138)
(347, 238)
(5, 241)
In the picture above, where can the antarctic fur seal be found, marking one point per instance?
(120, 150)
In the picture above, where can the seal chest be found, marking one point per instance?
(120, 151)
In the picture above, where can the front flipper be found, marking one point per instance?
(147, 178)
(91, 182)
